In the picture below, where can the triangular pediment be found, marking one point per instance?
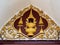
(30, 23)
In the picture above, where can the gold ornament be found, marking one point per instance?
(20, 30)
(41, 31)
(41, 21)
(30, 24)
(20, 22)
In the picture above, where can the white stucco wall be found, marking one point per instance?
(9, 7)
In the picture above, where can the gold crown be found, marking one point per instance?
(31, 15)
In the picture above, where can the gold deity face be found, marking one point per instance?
(31, 23)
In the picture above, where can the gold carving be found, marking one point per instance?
(30, 24)
(41, 31)
(8, 33)
(20, 30)
(20, 22)
(41, 24)
(31, 16)
(41, 21)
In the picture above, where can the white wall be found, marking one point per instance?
(9, 7)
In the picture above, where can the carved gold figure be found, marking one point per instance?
(30, 24)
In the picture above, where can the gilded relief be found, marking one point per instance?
(30, 23)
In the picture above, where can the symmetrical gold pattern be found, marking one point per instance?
(30, 23)
(9, 32)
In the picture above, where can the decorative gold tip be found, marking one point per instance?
(41, 31)
(41, 21)
(31, 15)
(31, 6)
(20, 22)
